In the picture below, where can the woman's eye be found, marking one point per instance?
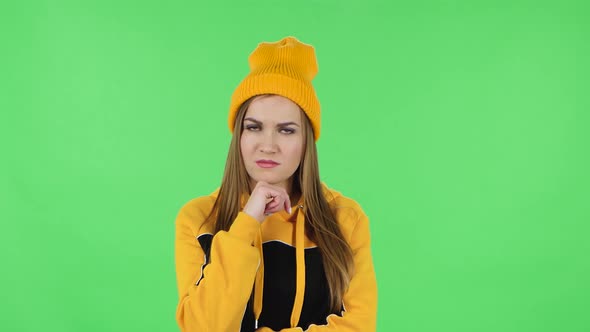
(287, 131)
(252, 127)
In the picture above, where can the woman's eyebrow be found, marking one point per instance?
(287, 123)
(278, 125)
(253, 120)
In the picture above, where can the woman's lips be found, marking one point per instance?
(267, 163)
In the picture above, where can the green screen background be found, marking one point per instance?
(461, 127)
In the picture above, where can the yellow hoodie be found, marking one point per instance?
(277, 264)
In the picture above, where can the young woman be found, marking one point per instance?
(273, 248)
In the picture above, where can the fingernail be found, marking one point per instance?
(289, 210)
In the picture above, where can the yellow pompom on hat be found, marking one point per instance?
(284, 68)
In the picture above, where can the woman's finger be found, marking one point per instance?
(272, 205)
(276, 205)
(287, 203)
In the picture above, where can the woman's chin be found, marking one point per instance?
(273, 180)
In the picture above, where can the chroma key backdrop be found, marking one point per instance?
(461, 127)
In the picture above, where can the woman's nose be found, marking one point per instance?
(268, 143)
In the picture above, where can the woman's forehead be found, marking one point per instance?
(274, 109)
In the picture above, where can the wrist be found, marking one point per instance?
(259, 218)
(245, 227)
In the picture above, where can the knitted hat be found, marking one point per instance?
(285, 68)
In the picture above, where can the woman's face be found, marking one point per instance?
(272, 140)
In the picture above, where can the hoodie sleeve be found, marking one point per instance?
(214, 297)
(360, 301)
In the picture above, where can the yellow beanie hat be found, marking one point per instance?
(284, 68)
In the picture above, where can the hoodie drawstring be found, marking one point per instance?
(259, 281)
(300, 274)
(300, 259)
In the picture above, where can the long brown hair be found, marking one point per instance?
(321, 225)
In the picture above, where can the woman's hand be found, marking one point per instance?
(267, 199)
